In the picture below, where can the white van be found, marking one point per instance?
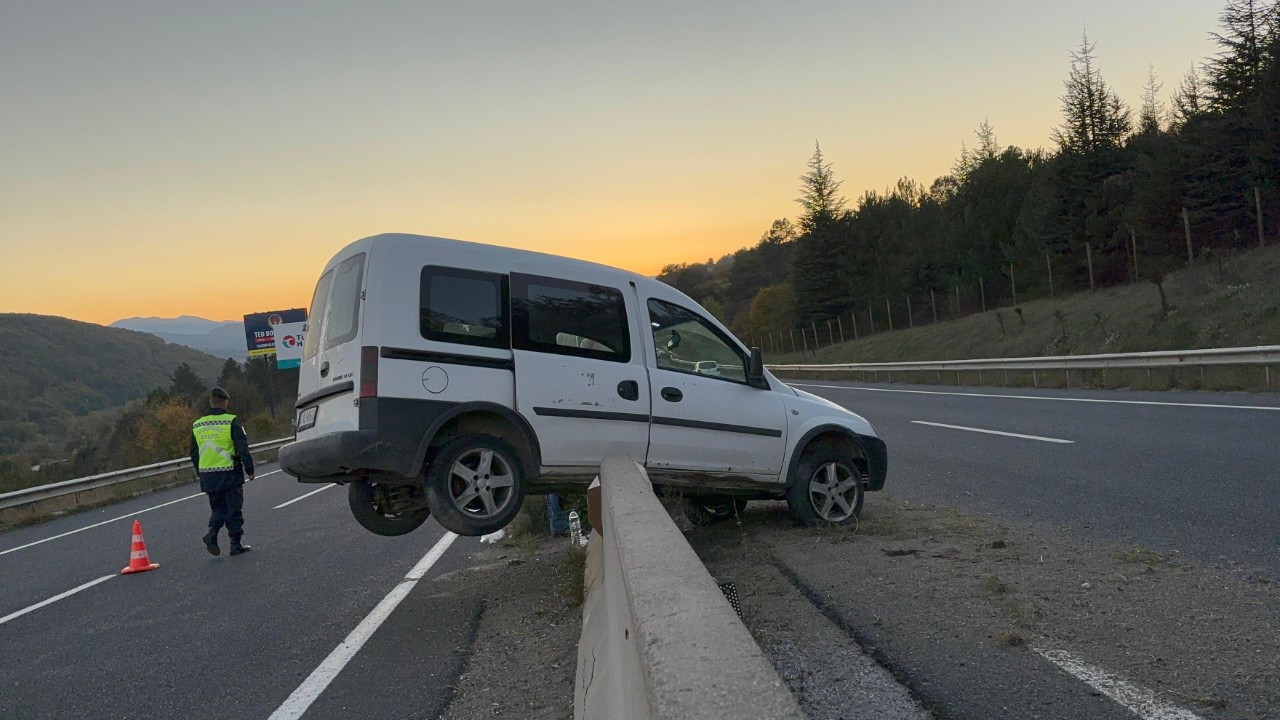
(447, 377)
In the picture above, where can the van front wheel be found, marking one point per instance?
(475, 484)
(827, 488)
(386, 510)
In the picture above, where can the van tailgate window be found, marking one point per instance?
(342, 320)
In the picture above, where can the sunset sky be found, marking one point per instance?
(167, 158)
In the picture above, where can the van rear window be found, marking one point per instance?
(311, 343)
(342, 315)
(464, 306)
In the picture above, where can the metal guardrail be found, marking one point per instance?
(1259, 355)
(29, 495)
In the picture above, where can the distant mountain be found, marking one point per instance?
(221, 339)
(57, 369)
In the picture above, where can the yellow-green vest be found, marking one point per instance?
(213, 438)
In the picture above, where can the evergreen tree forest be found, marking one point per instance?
(1125, 193)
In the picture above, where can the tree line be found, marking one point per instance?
(1121, 196)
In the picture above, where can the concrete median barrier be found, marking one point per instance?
(659, 639)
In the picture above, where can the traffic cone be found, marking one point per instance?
(138, 560)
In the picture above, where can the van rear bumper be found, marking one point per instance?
(340, 454)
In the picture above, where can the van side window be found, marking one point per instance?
(342, 313)
(464, 306)
(311, 342)
(688, 343)
(569, 318)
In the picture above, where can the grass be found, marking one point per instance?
(1237, 306)
(570, 575)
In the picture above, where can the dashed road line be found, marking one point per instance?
(994, 432)
(54, 599)
(303, 497)
(298, 702)
(1137, 699)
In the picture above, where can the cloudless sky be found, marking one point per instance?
(208, 158)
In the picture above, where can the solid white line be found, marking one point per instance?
(1138, 700)
(297, 703)
(994, 432)
(55, 598)
(303, 497)
(104, 522)
(1038, 397)
(273, 472)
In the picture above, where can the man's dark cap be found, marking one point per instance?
(219, 393)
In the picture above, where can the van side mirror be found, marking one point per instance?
(755, 370)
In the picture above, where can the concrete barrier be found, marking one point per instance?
(659, 639)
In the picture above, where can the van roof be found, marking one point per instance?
(505, 254)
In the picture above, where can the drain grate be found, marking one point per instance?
(730, 590)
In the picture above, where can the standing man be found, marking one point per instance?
(220, 454)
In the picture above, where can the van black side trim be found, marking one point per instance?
(591, 414)
(324, 392)
(448, 358)
(722, 427)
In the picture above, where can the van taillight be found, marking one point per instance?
(368, 371)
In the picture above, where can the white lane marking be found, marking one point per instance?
(1037, 397)
(273, 472)
(994, 432)
(1138, 700)
(303, 497)
(54, 599)
(104, 522)
(297, 703)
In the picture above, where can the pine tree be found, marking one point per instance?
(1152, 109)
(816, 261)
(819, 193)
(988, 147)
(1188, 100)
(1235, 74)
(1095, 119)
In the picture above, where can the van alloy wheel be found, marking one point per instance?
(827, 487)
(834, 491)
(475, 484)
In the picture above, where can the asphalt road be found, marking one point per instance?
(227, 637)
(1192, 473)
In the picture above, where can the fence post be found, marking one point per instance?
(854, 316)
(1186, 228)
(888, 309)
(1013, 284)
(1133, 240)
(871, 318)
(840, 325)
(1257, 202)
(793, 340)
(1048, 262)
(982, 290)
(830, 335)
(933, 302)
(804, 340)
(911, 322)
(957, 299)
(1088, 253)
(814, 324)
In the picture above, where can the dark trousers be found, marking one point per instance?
(226, 506)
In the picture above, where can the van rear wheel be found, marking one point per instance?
(387, 510)
(475, 484)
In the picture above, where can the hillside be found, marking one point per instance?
(220, 339)
(57, 370)
(1233, 304)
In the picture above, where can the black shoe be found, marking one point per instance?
(238, 549)
(211, 543)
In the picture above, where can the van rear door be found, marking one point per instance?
(328, 380)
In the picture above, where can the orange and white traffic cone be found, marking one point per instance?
(138, 559)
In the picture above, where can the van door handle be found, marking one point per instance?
(671, 394)
(629, 390)
(324, 369)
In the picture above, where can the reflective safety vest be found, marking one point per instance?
(213, 437)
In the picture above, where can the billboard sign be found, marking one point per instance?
(289, 338)
(259, 329)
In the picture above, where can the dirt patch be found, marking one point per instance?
(956, 604)
(526, 644)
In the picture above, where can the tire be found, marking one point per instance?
(463, 497)
(809, 498)
(369, 506)
(710, 509)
